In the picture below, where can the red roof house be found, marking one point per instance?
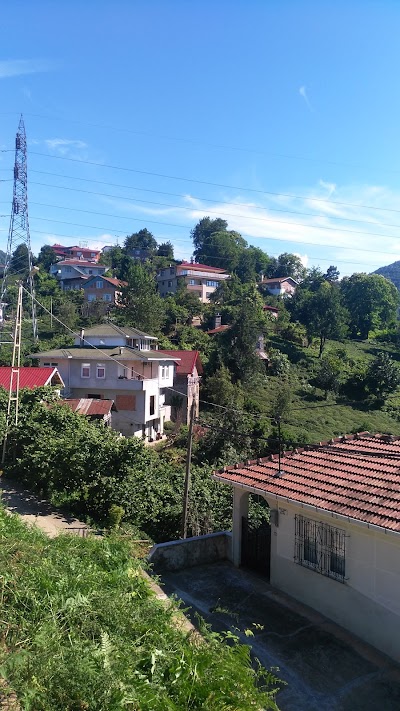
(187, 382)
(333, 538)
(29, 377)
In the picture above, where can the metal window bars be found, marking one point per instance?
(320, 547)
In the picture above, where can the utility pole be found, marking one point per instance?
(13, 390)
(18, 234)
(187, 475)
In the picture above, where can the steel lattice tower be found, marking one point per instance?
(19, 230)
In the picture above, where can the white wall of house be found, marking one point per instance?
(367, 603)
(150, 412)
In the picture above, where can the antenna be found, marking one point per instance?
(18, 236)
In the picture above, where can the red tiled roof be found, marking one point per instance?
(89, 406)
(193, 265)
(188, 360)
(219, 329)
(270, 308)
(356, 476)
(29, 377)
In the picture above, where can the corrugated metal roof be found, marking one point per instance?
(356, 476)
(90, 407)
(30, 377)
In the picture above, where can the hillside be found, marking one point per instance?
(81, 629)
(392, 272)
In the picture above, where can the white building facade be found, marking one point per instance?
(334, 538)
(123, 365)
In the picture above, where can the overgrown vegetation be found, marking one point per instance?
(80, 629)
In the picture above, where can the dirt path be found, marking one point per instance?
(37, 511)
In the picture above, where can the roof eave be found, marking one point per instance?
(309, 507)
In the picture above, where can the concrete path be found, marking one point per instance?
(37, 511)
(326, 668)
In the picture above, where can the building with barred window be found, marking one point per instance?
(333, 538)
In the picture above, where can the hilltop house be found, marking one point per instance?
(101, 288)
(90, 255)
(187, 381)
(334, 536)
(120, 364)
(279, 286)
(72, 273)
(200, 279)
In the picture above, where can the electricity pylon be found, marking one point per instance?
(18, 235)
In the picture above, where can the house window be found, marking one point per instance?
(91, 297)
(50, 365)
(106, 297)
(152, 404)
(85, 370)
(171, 271)
(166, 371)
(192, 282)
(212, 283)
(170, 283)
(100, 371)
(320, 547)
(99, 284)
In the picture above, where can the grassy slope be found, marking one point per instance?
(319, 422)
(80, 630)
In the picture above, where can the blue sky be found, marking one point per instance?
(282, 116)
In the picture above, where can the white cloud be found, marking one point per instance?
(19, 67)
(64, 146)
(303, 93)
(334, 224)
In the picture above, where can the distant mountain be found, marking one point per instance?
(392, 272)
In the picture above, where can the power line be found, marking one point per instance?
(196, 141)
(260, 219)
(218, 202)
(206, 182)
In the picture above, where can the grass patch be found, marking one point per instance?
(80, 630)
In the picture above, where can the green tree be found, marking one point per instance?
(252, 262)
(20, 261)
(329, 374)
(320, 310)
(215, 245)
(383, 376)
(238, 344)
(47, 257)
(287, 265)
(372, 302)
(166, 249)
(140, 240)
(143, 306)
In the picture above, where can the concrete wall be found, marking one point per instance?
(199, 550)
(368, 602)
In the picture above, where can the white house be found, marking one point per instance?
(280, 286)
(200, 279)
(120, 364)
(334, 534)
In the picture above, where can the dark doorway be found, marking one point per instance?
(256, 545)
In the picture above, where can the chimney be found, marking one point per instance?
(217, 320)
(82, 338)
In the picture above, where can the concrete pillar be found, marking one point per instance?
(240, 510)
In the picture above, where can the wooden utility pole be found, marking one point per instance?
(13, 390)
(187, 475)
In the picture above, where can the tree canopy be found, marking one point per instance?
(372, 302)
